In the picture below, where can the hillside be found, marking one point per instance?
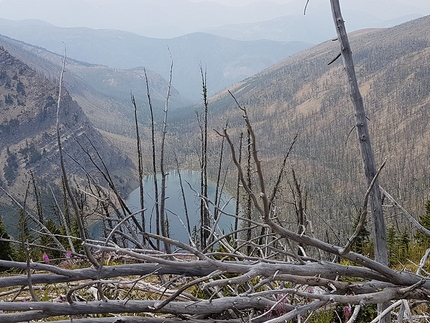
(228, 61)
(304, 95)
(102, 92)
(28, 144)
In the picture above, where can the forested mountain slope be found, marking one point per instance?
(305, 95)
(28, 140)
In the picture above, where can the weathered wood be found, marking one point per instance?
(369, 165)
(146, 319)
(41, 310)
(367, 156)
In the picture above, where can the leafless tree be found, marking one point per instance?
(204, 212)
(71, 196)
(236, 220)
(163, 213)
(154, 160)
(369, 164)
(139, 165)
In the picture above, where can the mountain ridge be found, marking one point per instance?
(99, 88)
(173, 18)
(28, 145)
(227, 60)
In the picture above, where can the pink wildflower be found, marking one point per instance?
(68, 255)
(347, 311)
(46, 258)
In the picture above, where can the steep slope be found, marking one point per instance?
(28, 142)
(228, 61)
(306, 96)
(102, 92)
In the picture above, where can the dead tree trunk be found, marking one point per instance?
(163, 213)
(154, 164)
(236, 221)
(363, 137)
(139, 166)
(204, 212)
(248, 198)
(367, 156)
(76, 210)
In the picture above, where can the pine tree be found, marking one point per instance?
(363, 237)
(392, 244)
(404, 245)
(47, 241)
(77, 243)
(7, 252)
(24, 235)
(422, 239)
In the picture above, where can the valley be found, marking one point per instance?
(300, 95)
(173, 190)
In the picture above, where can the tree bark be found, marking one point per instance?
(154, 163)
(204, 212)
(370, 170)
(140, 165)
(163, 213)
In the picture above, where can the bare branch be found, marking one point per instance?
(363, 216)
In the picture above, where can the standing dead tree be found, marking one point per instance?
(363, 136)
(154, 160)
(369, 165)
(78, 215)
(163, 212)
(139, 165)
(204, 212)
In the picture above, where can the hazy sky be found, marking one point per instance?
(240, 2)
(172, 18)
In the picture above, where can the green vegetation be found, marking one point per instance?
(423, 241)
(8, 100)
(20, 88)
(11, 167)
(30, 153)
(7, 251)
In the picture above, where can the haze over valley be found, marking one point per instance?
(232, 41)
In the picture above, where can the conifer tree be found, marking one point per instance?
(47, 241)
(422, 239)
(404, 245)
(363, 237)
(392, 246)
(7, 251)
(24, 235)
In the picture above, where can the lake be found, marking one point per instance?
(175, 204)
